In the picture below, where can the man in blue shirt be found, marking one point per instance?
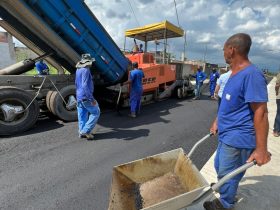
(42, 68)
(242, 121)
(212, 82)
(87, 107)
(200, 76)
(136, 89)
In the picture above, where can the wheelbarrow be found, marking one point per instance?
(166, 181)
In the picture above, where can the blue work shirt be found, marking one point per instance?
(235, 116)
(42, 68)
(200, 76)
(136, 76)
(214, 76)
(84, 85)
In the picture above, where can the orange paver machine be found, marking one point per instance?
(163, 77)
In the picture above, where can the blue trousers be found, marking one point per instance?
(212, 87)
(277, 118)
(228, 159)
(88, 116)
(198, 89)
(135, 101)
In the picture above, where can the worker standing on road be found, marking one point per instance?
(87, 107)
(221, 82)
(213, 81)
(242, 120)
(136, 89)
(200, 76)
(42, 68)
(276, 127)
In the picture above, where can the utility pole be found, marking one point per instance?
(205, 52)
(185, 44)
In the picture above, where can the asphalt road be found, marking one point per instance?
(49, 167)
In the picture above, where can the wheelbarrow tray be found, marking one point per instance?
(166, 181)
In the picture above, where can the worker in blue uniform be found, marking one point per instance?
(241, 122)
(136, 89)
(200, 76)
(42, 68)
(213, 81)
(87, 106)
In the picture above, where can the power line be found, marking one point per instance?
(133, 12)
(176, 13)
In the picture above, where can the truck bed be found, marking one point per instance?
(67, 29)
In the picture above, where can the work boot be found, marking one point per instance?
(94, 130)
(132, 114)
(88, 136)
(214, 205)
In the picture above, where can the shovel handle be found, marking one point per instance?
(198, 143)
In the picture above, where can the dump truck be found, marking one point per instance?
(59, 32)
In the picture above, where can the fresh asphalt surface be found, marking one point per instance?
(49, 167)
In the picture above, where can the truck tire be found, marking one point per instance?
(24, 121)
(58, 106)
(49, 98)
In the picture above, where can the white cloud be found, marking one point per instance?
(204, 38)
(208, 22)
(251, 25)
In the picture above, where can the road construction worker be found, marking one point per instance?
(213, 81)
(42, 68)
(87, 107)
(241, 122)
(200, 76)
(220, 85)
(136, 89)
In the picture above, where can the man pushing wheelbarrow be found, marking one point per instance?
(242, 120)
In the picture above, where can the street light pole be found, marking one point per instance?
(205, 52)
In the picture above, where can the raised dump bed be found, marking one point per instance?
(164, 181)
(67, 29)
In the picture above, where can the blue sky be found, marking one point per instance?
(208, 23)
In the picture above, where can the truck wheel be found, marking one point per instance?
(15, 97)
(49, 101)
(177, 92)
(59, 107)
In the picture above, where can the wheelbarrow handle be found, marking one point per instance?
(232, 174)
(198, 143)
(215, 187)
